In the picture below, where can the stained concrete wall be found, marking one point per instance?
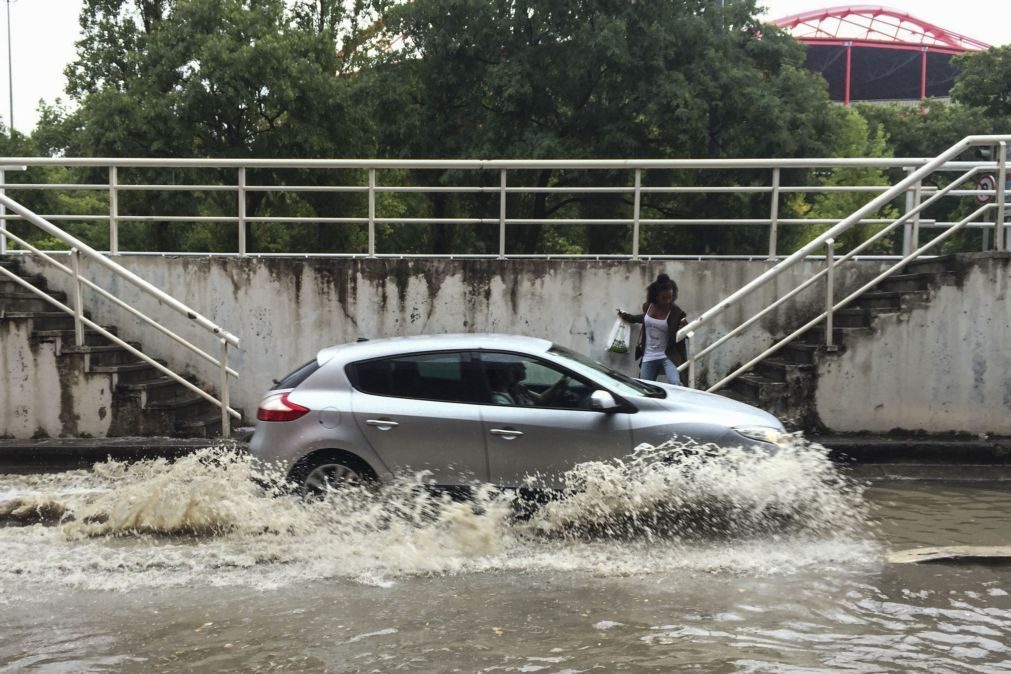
(943, 365)
(285, 309)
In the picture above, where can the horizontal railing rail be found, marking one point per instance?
(826, 241)
(372, 186)
(80, 249)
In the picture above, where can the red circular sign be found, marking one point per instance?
(985, 182)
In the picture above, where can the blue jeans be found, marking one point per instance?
(651, 370)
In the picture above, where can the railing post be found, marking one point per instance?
(917, 200)
(502, 215)
(774, 214)
(226, 430)
(999, 231)
(691, 362)
(907, 227)
(636, 204)
(372, 212)
(3, 212)
(242, 211)
(75, 265)
(113, 211)
(829, 293)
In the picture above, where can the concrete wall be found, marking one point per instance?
(941, 366)
(285, 309)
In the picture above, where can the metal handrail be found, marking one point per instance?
(119, 342)
(372, 188)
(852, 296)
(77, 248)
(912, 181)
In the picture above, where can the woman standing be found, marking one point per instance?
(658, 347)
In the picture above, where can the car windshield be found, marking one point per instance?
(621, 383)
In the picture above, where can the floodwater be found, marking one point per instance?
(725, 563)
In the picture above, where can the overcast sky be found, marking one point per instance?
(43, 33)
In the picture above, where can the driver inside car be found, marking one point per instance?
(523, 395)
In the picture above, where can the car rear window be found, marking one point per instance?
(298, 376)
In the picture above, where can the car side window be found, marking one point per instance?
(514, 379)
(432, 376)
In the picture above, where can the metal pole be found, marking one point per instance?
(372, 212)
(998, 231)
(226, 430)
(637, 201)
(907, 228)
(3, 212)
(113, 211)
(75, 264)
(829, 292)
(242, 211)
(917, 198)
(502, 215)
(691, 364)
(10, 70)
(774, 214)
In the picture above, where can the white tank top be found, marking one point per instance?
(656, 337)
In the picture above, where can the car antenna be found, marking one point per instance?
(362, 339)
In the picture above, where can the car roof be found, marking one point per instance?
(377, 348)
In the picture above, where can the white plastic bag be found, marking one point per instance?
(617, 340)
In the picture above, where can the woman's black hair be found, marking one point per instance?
(662, 282)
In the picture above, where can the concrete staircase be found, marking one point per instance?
(785, 382)
(144, 402)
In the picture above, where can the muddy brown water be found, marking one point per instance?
(739, 564)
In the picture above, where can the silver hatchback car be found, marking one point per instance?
(478, 408)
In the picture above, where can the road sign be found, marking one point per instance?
(985, 182)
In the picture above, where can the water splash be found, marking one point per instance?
(220, 518)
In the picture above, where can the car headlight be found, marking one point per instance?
(767, 434)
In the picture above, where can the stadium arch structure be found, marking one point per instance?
(873, 53)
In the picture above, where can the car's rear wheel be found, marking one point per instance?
(315, 476)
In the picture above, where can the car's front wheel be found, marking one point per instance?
(315, 476)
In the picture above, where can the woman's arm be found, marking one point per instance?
(630, 318)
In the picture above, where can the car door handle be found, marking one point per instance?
(507, 433)
(382, 424)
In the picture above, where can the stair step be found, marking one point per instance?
(45, 320)
(932, 265)
(816, 335)
(756, 386)
(779, 370)
(206, 426)
(798, 352)
(103, 355)
(884, 301)
(155, 390)
(851, 317)
(29, 301)
(191, 406)
(9, 286)
(127, 373)
(91, 337)
(903, 283)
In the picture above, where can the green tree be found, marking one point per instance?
(984, 80)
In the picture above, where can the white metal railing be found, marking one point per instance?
(912, 219)
(79, 249)
(630, 186)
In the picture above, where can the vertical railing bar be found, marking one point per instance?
(829, 292)
(372, 212)
(113, 211)
(226, 430)
(75, 265)
(774, 214)
(917, 199)
(502, 215)
(907, 228)
(998, 231)
(636, 206)
(691, 363)
(3, 212)
(242, 211)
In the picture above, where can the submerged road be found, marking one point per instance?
(738, 565)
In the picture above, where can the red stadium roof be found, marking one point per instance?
(875, 25)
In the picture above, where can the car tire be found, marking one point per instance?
(315, 475)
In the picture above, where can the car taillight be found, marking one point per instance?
(277, 407)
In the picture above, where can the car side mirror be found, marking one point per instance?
(602, 401)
